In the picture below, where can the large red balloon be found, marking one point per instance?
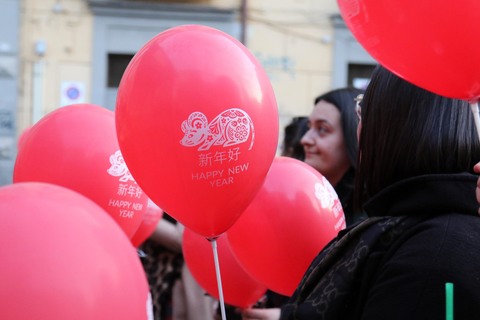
(76, 147)
(197, 123)
(63, 257)
(431, 43)
(150, 219)
(238, 287)
(294, 215)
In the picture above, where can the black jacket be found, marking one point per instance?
(423, 232)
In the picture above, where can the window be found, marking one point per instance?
(359, 75)
(117, 63)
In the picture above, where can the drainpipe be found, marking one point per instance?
(37, 82)
(243, 17)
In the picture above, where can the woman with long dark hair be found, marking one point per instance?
(331, 145)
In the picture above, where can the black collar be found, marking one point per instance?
(426, 195)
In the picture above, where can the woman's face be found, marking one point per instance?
(324, 144)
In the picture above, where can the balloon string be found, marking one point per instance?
(219, 278)
(476, 116)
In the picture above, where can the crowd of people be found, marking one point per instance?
(402, 161)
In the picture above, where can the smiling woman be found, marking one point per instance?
(331, 143)
(324, 143)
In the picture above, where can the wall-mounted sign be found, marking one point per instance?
(72, 92)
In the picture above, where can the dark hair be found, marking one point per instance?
(293, 133)
(408, 131)
(343, 100)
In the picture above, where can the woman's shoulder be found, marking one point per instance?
(440, 232)
(449, 241)
(412, 274)
(439, 250)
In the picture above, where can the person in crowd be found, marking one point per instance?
(163, 261)
(476, 169)
(330, 146)
(175, 293)
(418, 249)
(292, 133)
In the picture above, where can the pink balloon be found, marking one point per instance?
(239, 288)
(293, 216)
(76, 147)
(64, 257)
(197, 123)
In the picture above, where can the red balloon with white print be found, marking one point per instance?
(76, 147)
(197, 123)
(293, 216)
(63, 257)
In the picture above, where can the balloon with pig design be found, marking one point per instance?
(76, 147)
(229, 128)
(197, 124)
(118, 167)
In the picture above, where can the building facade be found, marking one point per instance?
(58, 52)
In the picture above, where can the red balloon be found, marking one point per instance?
(238, 287)
(151, 217)
(294, 215)
(76, 147)
(197, 123)
(63, 257)
(431, 43)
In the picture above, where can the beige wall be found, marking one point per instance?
(294, 41)
(66, 30)
(291, 38)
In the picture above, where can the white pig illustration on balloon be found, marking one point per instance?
(231, 127)
(119, 168)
